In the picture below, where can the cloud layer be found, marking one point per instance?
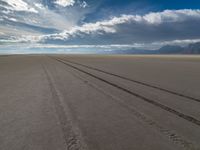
(19, 18)
(19, 5)
(151, 27)
(65, 3)
(65, 22)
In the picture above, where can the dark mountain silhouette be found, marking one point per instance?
(192, 48)
(129, 51)
(167, 49)
(170, 49)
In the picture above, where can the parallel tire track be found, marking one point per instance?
(135, 81)
(5, 55)
(72, 134)
(175, 138)
(166, 108)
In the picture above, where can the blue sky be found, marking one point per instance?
(72, 25)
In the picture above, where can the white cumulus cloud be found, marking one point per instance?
(40, 6)
(19, 5)
(110, 25)
(83, 4)
(171, 16)
(65, 3)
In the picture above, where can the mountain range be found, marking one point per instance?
(167, 49)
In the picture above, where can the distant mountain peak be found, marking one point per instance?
(193, 48)
(170, 49)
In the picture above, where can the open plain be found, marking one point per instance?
(99, 102)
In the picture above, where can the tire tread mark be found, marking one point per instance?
(135, 81)
(71, 133)
(177, 113)
(175, 138)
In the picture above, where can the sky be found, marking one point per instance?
(59, 26)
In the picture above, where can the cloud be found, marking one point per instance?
(176, 42)
(65, 3)
(40, 6)
(19, 5)
(53, 48)
(60, 25)
(19, 18)
(83, 4)
(165, 25)
(170, 16)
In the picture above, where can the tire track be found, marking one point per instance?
(135, 81)
(172, 136)
(71, 133)
(166, 108)
(4, 55)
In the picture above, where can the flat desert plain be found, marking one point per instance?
(99, 102)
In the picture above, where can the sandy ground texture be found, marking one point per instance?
(97, 102)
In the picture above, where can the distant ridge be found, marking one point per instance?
(129, 51)
(167, 49)
(170, 49)
(193, 49)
